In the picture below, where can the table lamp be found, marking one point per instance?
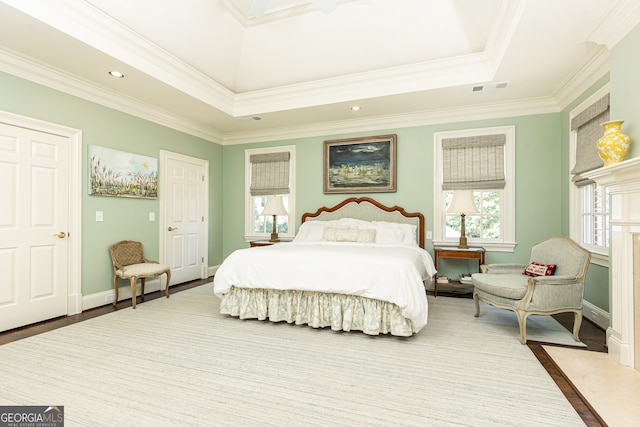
(463, 203)
(274, 207)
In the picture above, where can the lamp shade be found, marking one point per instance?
(463, 203)
(274, 206)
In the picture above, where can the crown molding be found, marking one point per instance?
(84, 22)
(583, 77)
(423, 118)
(88, 24)
(460, 70)
(19, 66)
(623, 17)
(464, 69)
(507, 19)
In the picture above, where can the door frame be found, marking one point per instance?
(162, 197)
(74, 137)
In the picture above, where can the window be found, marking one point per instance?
(480, 160)
(595, 216)
(589, 202)
(484, 225)
(269, 171)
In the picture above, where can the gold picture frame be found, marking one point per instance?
(360, 165)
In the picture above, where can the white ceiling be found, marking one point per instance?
(205, 66)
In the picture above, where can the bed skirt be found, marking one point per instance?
(318, 310)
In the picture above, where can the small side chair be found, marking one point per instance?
(555, 291)
(130, 263)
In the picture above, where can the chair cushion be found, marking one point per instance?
(143, 269)
(512, 286)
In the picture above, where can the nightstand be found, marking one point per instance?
(456, 253)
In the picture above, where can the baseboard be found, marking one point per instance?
(124, 292)
(106, 297)
(596, 315)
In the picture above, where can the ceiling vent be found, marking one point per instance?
(249, 118)
(489, 86)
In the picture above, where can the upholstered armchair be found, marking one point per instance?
(130, 263)
(507, 286)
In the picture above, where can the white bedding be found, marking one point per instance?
(392, 273)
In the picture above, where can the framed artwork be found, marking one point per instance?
(121, 174)
(360, 165)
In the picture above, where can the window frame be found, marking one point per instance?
(507, 242)
(249, 234)
(599, 254)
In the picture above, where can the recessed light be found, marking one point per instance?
(116, 74)
(355, 108)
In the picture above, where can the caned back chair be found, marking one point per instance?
(130, 263)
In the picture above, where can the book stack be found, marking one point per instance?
(443, 280)
(465, 279)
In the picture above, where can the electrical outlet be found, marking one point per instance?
(109, 298)
(428, 235)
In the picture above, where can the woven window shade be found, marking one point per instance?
(587, 125)
(269, 174)
(474, 162)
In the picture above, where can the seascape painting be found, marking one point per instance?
(121, 174)
(360, 165)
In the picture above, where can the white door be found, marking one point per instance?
(34, 226)
(184, 220)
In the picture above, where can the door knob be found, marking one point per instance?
(171, 228)
(60, 235)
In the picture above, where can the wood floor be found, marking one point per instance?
(590, 334)
(48, 325)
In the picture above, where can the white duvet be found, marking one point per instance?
(392, 273)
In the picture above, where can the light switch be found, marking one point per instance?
(99, 216)
(152, 216)
(429, 236)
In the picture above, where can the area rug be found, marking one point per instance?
(178, 362)
(539, 328)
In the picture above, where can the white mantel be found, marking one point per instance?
(623, 180)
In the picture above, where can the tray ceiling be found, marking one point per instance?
(208, 67)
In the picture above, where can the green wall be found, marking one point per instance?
(625, 88)
(124, 218)
(542, 175)
(597, 285)
(538, 166)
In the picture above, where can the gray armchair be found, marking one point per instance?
(505, 285)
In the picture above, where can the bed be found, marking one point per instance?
(359, 265)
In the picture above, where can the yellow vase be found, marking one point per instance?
(613, 145)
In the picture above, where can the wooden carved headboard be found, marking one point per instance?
(367, 209)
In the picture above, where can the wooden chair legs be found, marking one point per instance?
(115, 286)
(134, 288)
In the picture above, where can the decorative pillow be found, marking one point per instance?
(340, 234)
(536, 269)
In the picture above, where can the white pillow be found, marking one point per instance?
(395, 233)
(310, 231)
(342, 234)
(388, 235)
(410, 237)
